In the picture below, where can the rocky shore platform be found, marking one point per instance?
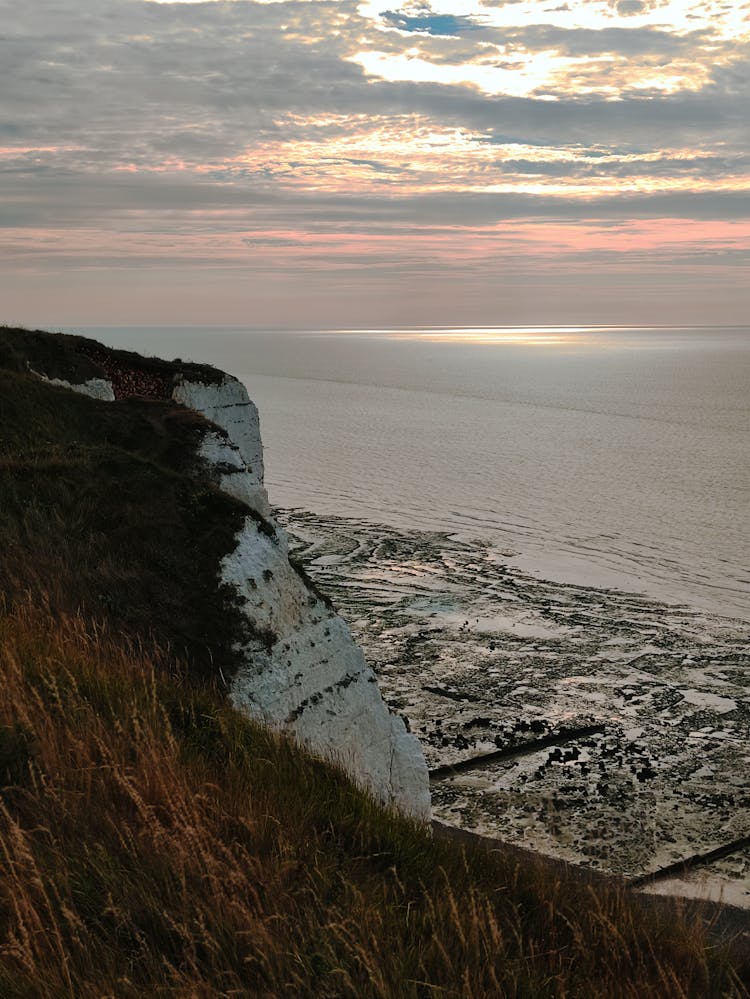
(596, 726)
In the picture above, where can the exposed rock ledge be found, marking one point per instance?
(303, 671)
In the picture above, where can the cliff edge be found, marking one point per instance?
(295, 665)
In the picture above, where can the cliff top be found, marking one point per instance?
(105, 505)
(75, 359)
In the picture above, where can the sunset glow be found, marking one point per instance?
(513, 158)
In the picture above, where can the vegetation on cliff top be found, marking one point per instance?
(153, 842)
(104, 508)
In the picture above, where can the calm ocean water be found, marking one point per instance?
(604, 456)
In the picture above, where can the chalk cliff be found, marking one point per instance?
(302, 670)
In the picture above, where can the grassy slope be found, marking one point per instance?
(152, 842)
(102, 507)
(155, 843)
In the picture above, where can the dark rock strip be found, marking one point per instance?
(682, 867)
(509, 752)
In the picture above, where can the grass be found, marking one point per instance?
(103, 507)
(154, 842)
(76, 358)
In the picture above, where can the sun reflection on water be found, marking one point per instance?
(526, 335)
(599, 337)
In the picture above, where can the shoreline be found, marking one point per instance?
(570, 569)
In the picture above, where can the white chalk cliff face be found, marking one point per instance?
(303, 671)
(95, 388)
(239, 456)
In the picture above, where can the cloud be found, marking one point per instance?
(272, 241)
(628, 7)
(142, 83)
(233, 126)
(589, 42)
(662, 167)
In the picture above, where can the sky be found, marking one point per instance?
(336, 163)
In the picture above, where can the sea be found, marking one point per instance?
(614, 457)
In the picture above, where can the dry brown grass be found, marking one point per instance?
(153, 842)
